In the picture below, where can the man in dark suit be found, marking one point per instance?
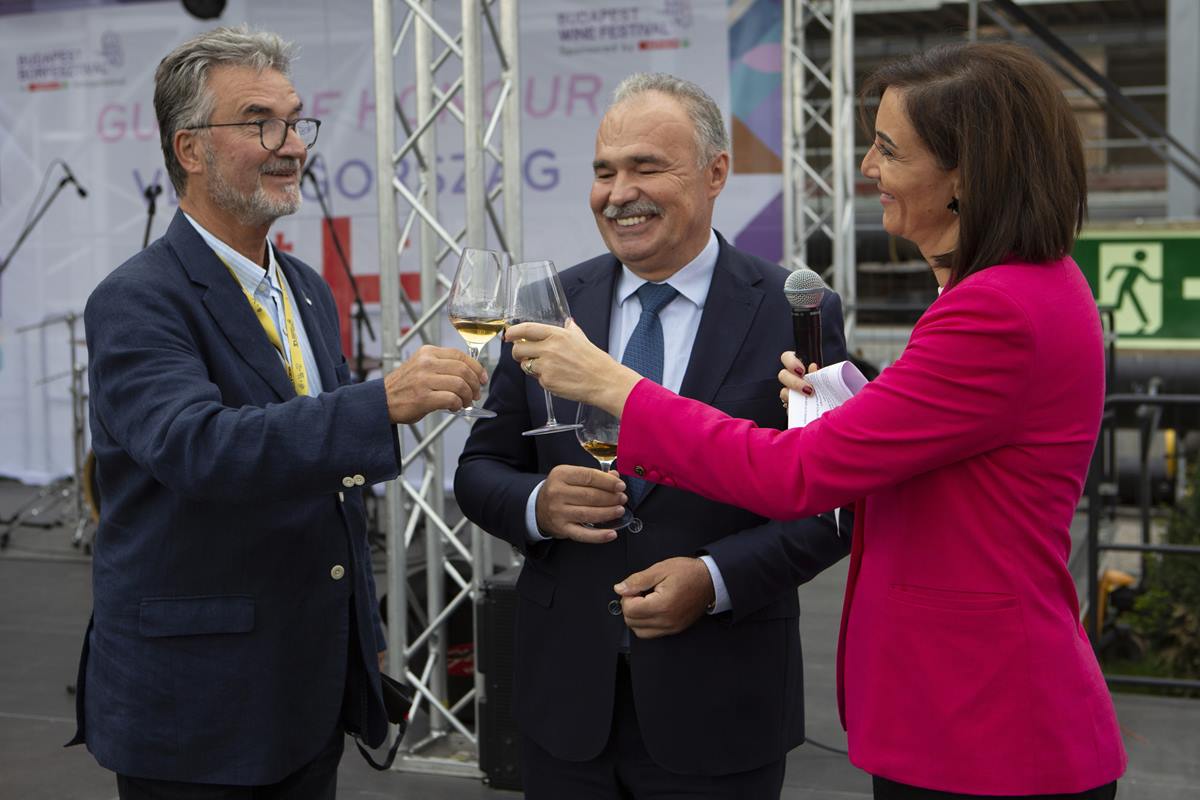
(693, 704)
(235, 634)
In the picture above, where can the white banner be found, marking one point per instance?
(77, 85)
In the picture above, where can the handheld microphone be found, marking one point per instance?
(71, 178)
(804, 290)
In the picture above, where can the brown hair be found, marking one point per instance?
(994, 111)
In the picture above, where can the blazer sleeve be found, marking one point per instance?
(954, 393)
(761, 563)
(498, 468)
(151, 390)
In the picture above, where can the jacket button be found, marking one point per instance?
(348, 482)
(640, 470)
(635, 525)
(341, 497)
(359, 480)
(614, 607)
(338, 572)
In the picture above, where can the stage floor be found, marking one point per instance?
(45, 599)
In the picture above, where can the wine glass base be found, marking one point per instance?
(559, 427)
(626, 520)
(473, 412)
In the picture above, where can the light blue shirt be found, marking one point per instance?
(680, 320)
(264, 286)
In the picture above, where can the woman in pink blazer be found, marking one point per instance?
(963, 669)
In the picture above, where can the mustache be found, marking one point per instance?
(281, 166)
(637, 208)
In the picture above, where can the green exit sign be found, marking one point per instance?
(1150, 276)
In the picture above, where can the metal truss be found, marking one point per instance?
(818, 191)
(448, 73)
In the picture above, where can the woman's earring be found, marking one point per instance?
(953, 206)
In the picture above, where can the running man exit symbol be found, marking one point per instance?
(1131, 276)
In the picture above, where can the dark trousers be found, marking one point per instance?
(316, 780)
(625, 771)
(890, 790)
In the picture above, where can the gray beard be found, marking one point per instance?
(255, 210)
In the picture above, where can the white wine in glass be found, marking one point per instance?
(536, 295)
(478, 304)
(598, 433)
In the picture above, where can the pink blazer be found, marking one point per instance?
(962, 664)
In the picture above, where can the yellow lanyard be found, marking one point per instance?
(293, 359)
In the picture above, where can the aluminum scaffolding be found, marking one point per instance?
(818, 192)
(449, 93)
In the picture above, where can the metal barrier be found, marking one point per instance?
(1101, 486)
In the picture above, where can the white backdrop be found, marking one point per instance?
(77, 85)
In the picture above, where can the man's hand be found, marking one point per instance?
(572, 496)
(666, 598)
(433, 378)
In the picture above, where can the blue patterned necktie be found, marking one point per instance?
(644, 352)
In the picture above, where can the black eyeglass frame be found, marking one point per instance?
(262, 123)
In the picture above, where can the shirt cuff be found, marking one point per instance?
(723, 603)
(531, 527)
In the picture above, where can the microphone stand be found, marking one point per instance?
(151, 194)
(360, 313)
(28, 229)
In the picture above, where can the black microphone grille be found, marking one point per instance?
(804, 289)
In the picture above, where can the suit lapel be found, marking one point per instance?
(589, 296)
(225, 301)
(729, 311)
(728, 314)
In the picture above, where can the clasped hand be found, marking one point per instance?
(434, 378)
(569, 366)
(573, 496)
(665, 598)
(792, 376)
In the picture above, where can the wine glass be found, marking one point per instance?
(597, 433)
(478, 304)
(536, 295)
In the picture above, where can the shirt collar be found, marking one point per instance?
(692, 281)
(250, 275)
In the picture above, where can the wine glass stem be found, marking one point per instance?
(550, 420)
(473, 352)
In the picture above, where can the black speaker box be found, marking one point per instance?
(499, 742)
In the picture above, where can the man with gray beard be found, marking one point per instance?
(693, 690)
(235, 635)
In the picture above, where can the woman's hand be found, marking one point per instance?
(792, 376)
(571, 367)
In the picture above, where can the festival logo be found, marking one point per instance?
(66, 67)
(615, 29)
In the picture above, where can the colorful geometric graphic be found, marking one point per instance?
(756, 100)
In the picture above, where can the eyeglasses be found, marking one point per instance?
(272, 133)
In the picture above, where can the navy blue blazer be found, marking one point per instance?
(725, 695)
(234, 606)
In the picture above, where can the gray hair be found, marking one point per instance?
(706, 117)
(181, 95)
